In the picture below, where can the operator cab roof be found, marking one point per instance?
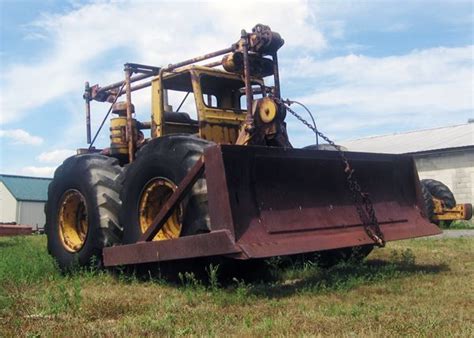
(213, 79)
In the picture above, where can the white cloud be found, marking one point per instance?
(55, 156)
(148, 32)
(20, 136)
(417, 90)
(38, 171)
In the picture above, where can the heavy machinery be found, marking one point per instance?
(228, 183)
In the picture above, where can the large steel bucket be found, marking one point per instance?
(278, 201)
(267, 202)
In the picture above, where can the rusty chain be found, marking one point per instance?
(365, 208)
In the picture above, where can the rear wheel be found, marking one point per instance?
(149, 181)
(82, 210)
(428, 201)
(440, 191)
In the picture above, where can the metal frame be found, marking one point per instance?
(458, 212)
(254, 42)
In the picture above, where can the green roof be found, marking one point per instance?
(25, 188)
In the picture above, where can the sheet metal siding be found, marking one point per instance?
(25, 188)
(32, 213)
(8, 205)
(416, 141)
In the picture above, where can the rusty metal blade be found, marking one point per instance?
(212, 244)
(298, 200)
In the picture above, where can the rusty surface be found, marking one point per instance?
(266, 201)
(467, 211)
(199, 58)
(87, 99)
(15, 230)
(329, 239)
(205, 245)
(101, 93)
(276, 201)
(276, 75)
(220, 208)
(294, 200)
(248, 85)
(129, 133)
(264, 41)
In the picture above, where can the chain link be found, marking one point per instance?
(365, 208)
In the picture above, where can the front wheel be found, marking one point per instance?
(82, 210)
(151, 179)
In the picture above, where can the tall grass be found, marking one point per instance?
(24, 260)
(410, 288)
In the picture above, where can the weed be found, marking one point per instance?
(188, 279)
(459, 224)
(405, 258)
(191, 287)
(212, 273)
(64, 297)
(420, 287)
(242, 291)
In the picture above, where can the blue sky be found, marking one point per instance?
(364, 67)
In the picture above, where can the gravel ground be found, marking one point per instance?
(455, 234)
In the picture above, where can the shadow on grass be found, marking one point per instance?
(7, 244)
(270, 279)
(344, 277)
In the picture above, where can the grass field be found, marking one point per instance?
(410, 288)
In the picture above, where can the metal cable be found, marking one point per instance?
(364, 206)
(106, 116)
(290, 102)
(181, 104)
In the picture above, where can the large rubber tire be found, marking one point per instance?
(95, 177)
(170, 157)
(440, 191)
(428, 201)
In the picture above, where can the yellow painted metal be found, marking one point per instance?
(220, 125)
(216, 124)
(445, 214)
(73, 220)
(157, 107)
(267, 109)
(118, 139)
(154, 195)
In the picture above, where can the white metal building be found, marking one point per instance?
(445, 154)
(22, 200)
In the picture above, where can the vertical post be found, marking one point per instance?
(276, 75)
(245, 130)
(87, 98)
(248, 85)
(129, 129)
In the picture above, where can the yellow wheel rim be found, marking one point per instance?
(73, 220)
(152, 198)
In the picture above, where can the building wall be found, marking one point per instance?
(455, 169)
(31, 213)
(8, 205)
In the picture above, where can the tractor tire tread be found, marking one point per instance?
(95, 176)
(440, 191)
